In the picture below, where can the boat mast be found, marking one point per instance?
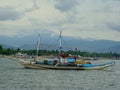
(38, 46)
(60, 42)
(60, 46)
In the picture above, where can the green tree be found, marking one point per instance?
(9, 51)
(1, 49)
(18, 50)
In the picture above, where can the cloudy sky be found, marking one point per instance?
(86, 19)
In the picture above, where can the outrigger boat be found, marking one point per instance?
(57, 64)
(33, 65)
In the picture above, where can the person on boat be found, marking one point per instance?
(75, 57)
(63, 55)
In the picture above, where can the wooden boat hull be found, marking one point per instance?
(91, 67)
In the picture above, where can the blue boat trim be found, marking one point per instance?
(94, 65)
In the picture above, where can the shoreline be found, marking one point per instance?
(43, 57)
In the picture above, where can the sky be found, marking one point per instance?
(86, 19)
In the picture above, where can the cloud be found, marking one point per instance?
(65, 5)
(77, 18)
(9, 13)
(114, 27)
(35, 4)
(33, 8)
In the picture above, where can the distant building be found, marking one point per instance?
(21, 55)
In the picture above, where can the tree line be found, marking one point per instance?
(11, 51)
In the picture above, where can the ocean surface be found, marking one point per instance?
(14, 76)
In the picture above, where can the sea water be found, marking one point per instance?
(14, 76)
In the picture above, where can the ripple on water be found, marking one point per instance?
(14, 77)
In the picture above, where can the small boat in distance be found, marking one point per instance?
(63, 62)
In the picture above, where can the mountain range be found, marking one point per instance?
(68, 43)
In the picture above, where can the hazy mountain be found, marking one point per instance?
(8, 46)
(68, 43)
(115, 49)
